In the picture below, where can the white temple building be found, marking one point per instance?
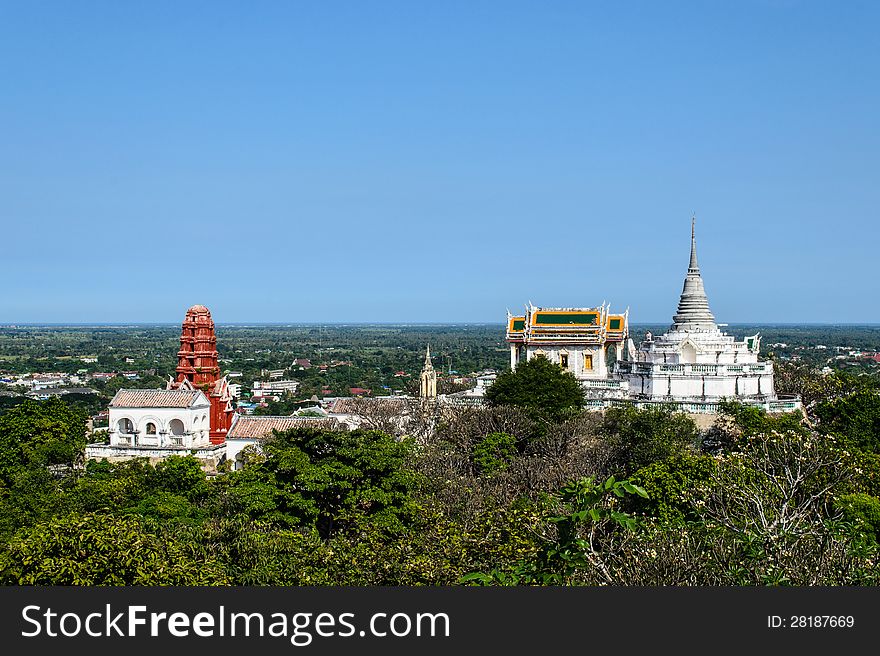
(585, 341)
(695, 365)
(161, 418)
(159, 423)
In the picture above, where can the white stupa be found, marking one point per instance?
(694, 361)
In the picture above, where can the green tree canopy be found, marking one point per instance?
(854, 418)
(494, 452)
(328, 480)
(35, 433)
(538, 385)
(738, 422)
(673, 484)
(862, 510)
(96, 549)
(641, 437)
(122, 486)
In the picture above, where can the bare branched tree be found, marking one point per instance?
(383, 414)
(778, 484)
(567, 436)
(471, 424)
(692, 555)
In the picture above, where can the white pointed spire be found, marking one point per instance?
(428, 364)
(693, 307)
(694, 265)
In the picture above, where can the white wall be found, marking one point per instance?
(692, 386)
(196, 420)
(575, 357)
(235, 445)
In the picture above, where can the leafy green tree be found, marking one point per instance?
(112, 486)
(591, 512)
(737, 422)
(172, 488)
(855, 418)
(38, 434)
(815, 387)
(329, 481)
(640, 437)
(862, 510)
(865, 472)
(90, 403)
(168, 508)
(30, 495)
(538, 385)
(494, 452)
(94, 549)
(7, 402)
(181, 476)
(435, 550)
(777, 484)
(285, 406)
(673, 485)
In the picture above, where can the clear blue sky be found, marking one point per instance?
(437, 161)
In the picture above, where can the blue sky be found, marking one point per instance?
(437, 161)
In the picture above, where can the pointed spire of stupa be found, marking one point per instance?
(694, 265)
(428, 364)
(693, 306)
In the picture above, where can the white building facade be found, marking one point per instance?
(160, 418)
(585, 341)
(156, 424)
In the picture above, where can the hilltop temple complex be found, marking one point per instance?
(194, 414)
(694, 365)
(191, 416)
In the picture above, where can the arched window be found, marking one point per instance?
(125, 425)
(688, 353)
(151, 428)
(176, 427)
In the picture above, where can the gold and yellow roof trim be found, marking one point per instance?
(592, 325)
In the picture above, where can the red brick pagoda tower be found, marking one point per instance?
(198, 368)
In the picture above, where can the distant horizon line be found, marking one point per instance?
(238, 324)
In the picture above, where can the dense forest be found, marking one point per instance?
(527, 490)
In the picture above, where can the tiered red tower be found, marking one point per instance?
(198, 368)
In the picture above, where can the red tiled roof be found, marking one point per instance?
(147, 398)
(256, 427)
